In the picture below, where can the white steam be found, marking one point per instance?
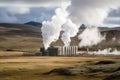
(107, 52)
(90, 36)
(69, 17)
(91, 12)
(70, 30)
(51, 29)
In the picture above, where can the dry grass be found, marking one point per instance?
(10, 53)
(21, 43)
(31, 68)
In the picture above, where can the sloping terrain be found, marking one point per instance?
(22, 36)
(112, 38)
(19, 30)
(19, 36)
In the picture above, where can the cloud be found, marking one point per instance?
(21, 11)
(6, 17)
(113, 20)
(18, 10)
(32, 3)
(38, 10)
(91, 12)
(113, 17)
(115, 13)
(37, 14)
(22, 15)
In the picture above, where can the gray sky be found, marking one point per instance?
(37, 14)
(21, 11)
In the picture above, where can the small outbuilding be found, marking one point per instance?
(51, 51)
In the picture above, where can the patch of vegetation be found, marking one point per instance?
(91, 69)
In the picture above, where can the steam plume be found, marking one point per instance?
(107, 52)
(70, 30)
(90, 36)
(51, 29)
(90, 12)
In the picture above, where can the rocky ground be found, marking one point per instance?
(108, 68)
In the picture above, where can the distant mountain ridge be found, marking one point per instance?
(33, 23)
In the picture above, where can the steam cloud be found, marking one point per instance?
(51, 29)
(107, 52)
(68, 19)
(90, 36)
(70, 30)
(91, 12)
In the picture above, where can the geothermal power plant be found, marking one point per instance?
(74, 51)
(60, 51)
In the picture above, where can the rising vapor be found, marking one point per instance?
(69, 18)
(70, 30)
(91, 12)
(90, 36)
(51, 29)
(107, 52)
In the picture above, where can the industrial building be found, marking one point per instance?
(60, 51)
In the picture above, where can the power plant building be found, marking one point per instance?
(60, 51)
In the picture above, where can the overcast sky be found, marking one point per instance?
(21, 11)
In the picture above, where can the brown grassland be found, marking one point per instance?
(17, 39)
(13, 66)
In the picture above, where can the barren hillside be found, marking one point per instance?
(22, 36)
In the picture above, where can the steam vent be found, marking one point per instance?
(60, 51)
